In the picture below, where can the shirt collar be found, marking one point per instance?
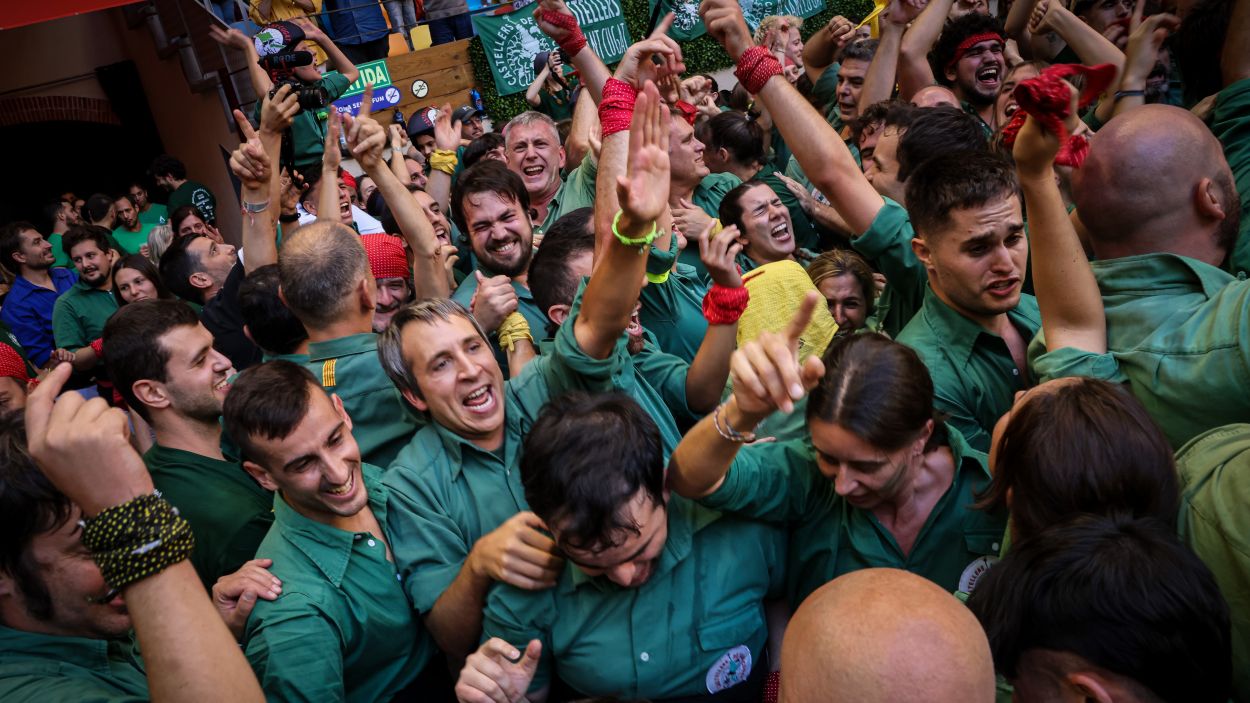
(961, 334)
(328, 547)
(364, 342)
(1159, 274)
(455, 446)
(85, 652)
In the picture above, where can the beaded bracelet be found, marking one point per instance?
(136, 539)
(643, 242)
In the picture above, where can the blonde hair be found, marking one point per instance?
(772, 21)
(158, 241)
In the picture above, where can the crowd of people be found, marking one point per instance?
(912, 367)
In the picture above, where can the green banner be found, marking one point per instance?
(688, 25)
(512, 40)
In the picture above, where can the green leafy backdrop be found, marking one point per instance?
(702, 55)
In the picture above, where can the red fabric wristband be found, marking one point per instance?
(575, 41)
(723, 306)
(616, 108)
(1048, 100)
(97, 346)
(755, 67)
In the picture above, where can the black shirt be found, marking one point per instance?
(223, 317)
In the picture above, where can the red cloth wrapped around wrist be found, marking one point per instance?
(688, 112)
(1048, 100)
(575, 41)
(755, 67)
(616, 108)
(723, 306)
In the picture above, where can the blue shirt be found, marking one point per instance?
(28, 312)
(353, 22)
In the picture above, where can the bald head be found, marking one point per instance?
(934, 95)
(885, 635)
(1156, 180)
(321, 267)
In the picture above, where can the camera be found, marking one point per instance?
(281, 69)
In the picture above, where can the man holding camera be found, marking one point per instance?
(275, 54)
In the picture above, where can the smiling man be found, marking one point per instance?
(968, 58)
(974, 327)
(27, 310)
(209, 273)
(80, 313)
(341, 629)
(533, 151)
(163, 362)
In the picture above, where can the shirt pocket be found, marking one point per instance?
(726, 631)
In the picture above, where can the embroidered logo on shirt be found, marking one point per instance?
(730, 670)
(974, 571)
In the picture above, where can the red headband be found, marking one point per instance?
(971, 42)
(386, 256)
(348, 179)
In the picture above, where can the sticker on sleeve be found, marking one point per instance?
(974, 571)
(730, 670)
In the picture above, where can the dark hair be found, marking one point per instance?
(1198, 45)
(268, 401)
(11, 243)
(953, 34)
(1086, 446)
(871, 115)
(177, 265)
(310, 184)
(140, 263)
(376, 206)
(550, 280)
(900, 115)
(878, 390)
(97, 206)
(177, 216)
(52, 211)
(1125, 595)
(487, 176)
(956, 181)
(319, 266)
(132, 344)
(860, 49)
(585, 459)
(477, 148)
(271, 324)
(730, 210)
(86, 233)
(166, 165)
(737, 133)
(841, 262)
(29, 506)
(935, 131)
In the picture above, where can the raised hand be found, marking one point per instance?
(250, 161)
(277, 112)
(766, 372)
(83, 446)
(638, 65)
(366, 138)
(719, 254)
(724, 21)
(1035, 147)
(643, 190)
(498, 673)
(1142, 52)
(494, 299)
(230, 37)
(234, 595)
(517, 553)
(557, 34)
(446, 131)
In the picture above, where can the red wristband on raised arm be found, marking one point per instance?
(575, 41)
(723, 306)
(616, 108)
(755, 67)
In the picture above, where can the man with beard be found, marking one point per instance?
(28, 308)
(389, 266)
(964, 54)
(209, 273)
(130, 233)
(61, 215)
(342, 628)
(457, 514)
(80, 313)
(150, 213)
(491, 205)
(162, 361)
(170, 174)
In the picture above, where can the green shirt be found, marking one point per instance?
(197, 194)
(39, 668)
(341, 630)
(696, 626)
(1177, 333)
(577, 191)
(228, 511)
(673, 310)
(887, 246)
(59, 258)
(131, 241)
(975, 378)
(1231, 125)
(829, 537)
(446, 492)
(1214, 470)
(156, 214)
(382, 420)
(308, 129)
(558, 105)
(79, 315)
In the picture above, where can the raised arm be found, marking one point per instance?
(820, 151)
(1070, 302)
(1090, 47)
(914, 71)
(705, 379)
(557, 21)
(234, 39)
(1139, 60)
(262, 190)
(767, 377)
(642, 192)
(366, 139)
(331, 158)
(446, 139)
(585, 125)
(188, 652)
(822, 48)
(342, 64)
(536, 87)
(879, 80)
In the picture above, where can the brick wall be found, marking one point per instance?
(49, 108)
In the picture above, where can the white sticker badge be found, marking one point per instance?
(730, 670)
(974, 571)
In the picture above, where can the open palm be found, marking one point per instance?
(643, 190)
